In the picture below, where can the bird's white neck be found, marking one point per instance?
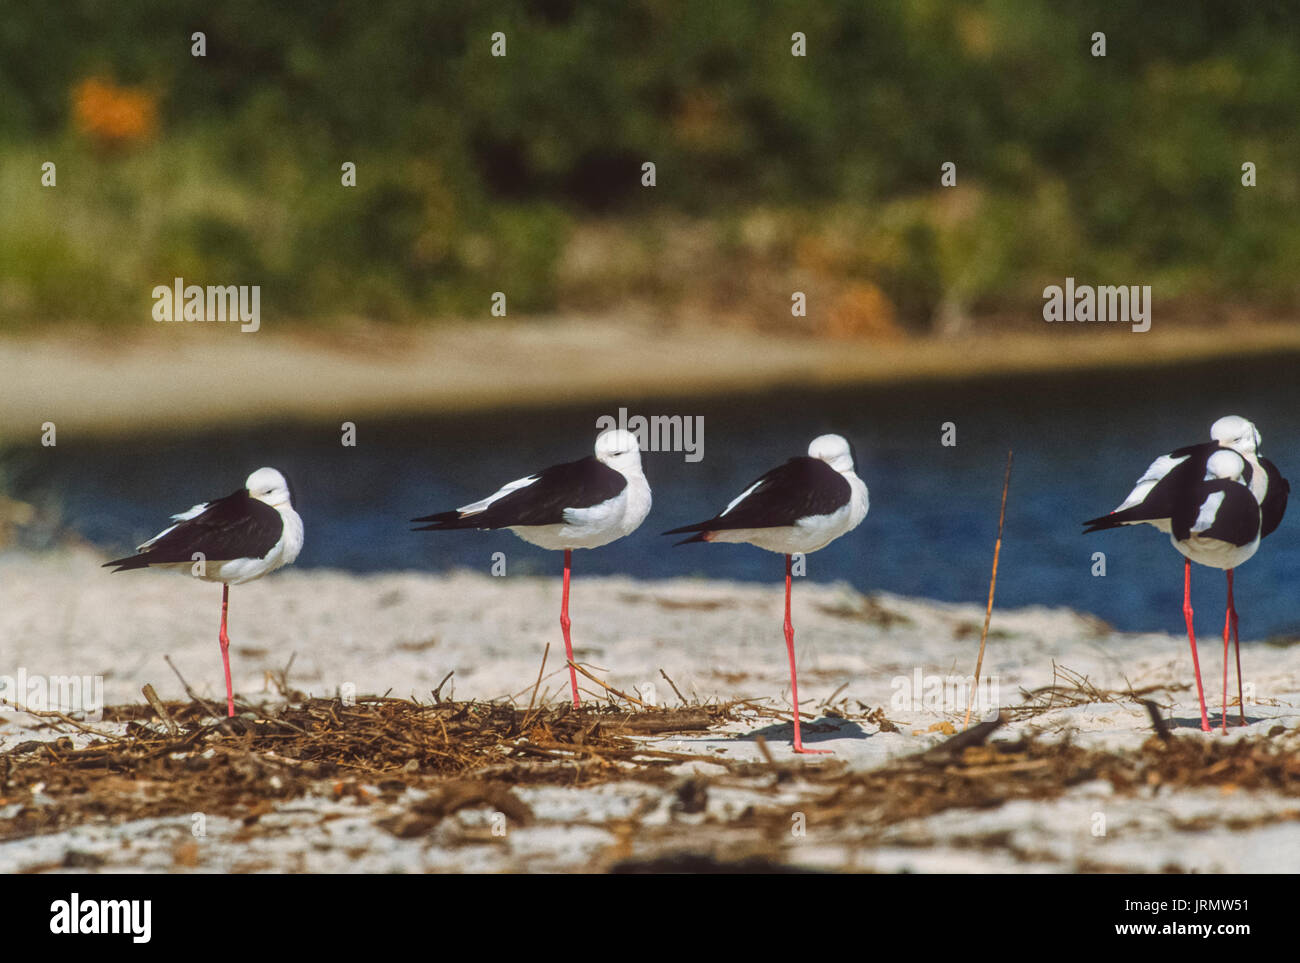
(638, 500)
(858, 500)
(293, 533)
(1258, 477)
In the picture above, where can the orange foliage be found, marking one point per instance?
(113, 116)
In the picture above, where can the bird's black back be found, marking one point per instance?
(237, 526)
(1176, 496)
(1237, 519)
(802, 487)
(1274, 505)
(575, 484)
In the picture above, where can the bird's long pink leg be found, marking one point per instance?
(794, 679)
(1227, 634)
(564, 624)
(1236, 643)
(224, 639)
(1191, 637)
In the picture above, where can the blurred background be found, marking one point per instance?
(774, 174)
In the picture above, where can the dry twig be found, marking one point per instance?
(993, 581)
(609, 688)
(151, 697)
(62, 717)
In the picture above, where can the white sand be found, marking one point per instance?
(62, 615)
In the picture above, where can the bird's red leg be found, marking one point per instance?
(224, 639)
(1236, 643)
(1191, 637)
(564, 624)
(794, 680)
(1227, 633)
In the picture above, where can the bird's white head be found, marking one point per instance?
(1234, 431)
(619, 450)
(1225, 465)
(835, 450)
(268, 485)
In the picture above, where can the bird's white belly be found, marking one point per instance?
(1215, 553)
(236, 571)
(233, 571)
(239, 570)
(808, 535)
(595, 526)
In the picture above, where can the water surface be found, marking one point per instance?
(1080, 442)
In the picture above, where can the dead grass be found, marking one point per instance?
(471, 754)
(238, 766)
(1070, 688)
(991, 774)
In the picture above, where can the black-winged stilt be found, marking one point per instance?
(796, 508)
(580, 504)
(1270, 490)
(1210, 499)
(230, 540)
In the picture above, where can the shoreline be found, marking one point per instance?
(193, 378)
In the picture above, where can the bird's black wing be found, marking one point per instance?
(237, 526)
(1273, 507)
(1172, 497)
(1236, 521)
(800, 488)
(575, 484)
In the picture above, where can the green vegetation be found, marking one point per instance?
(523, 173)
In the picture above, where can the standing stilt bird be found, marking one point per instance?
(580, 504)
(230, 540)
(1197, 496)
(1270, 490)
(796, 508)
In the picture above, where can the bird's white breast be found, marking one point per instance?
(236, 571)
(595, 526)
(1215, 552)
(808, 534)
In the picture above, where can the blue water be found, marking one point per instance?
(1080, 442)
